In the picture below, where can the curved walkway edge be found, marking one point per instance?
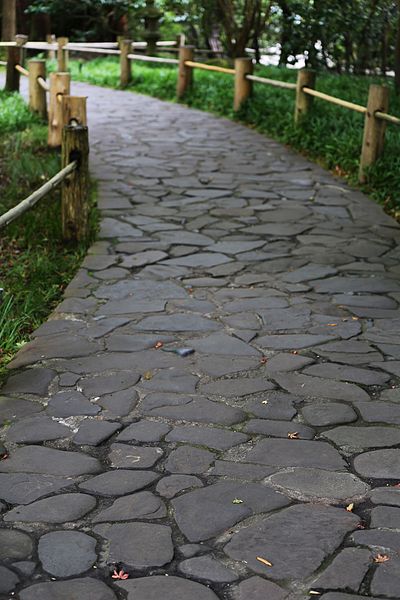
(213, 410)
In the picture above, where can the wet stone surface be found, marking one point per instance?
(222, 472)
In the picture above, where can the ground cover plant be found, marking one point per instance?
(331, 136)
(35, 264)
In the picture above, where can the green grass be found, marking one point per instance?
(331, 136)
(35, 264)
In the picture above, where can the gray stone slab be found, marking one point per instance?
(217, 366)
(220, 343)
(118, 404)
(49, 347)
(140, 259)
(107, 384)
(189, 460)
(212, 437)
(292, 341)
(379, 412)
(386, 579)
(137, 545)
(143, 505)
(279, 429)
(374, 285)
(235, 247)
(173, 484)
(71, 403)
(346, 571)
(207, 568)
(118, 483)
(379, 464)
(305, 385)
(144, 431)
(285, 319)
(24, 488)
(385, 495)
(254, 305)
(296, 453)
(387, 517)
(14, 408)
(31, 381)
(141, 289)
(47, 461)
(177, 322)
(308, 273)
(240, 470)
(171, 380)
(128, 306)
(93, 433)
(73, 589)
(274, 405)
(66, 553)
(317, 485)
(285, 362)
(15, 545)
(328, 413)
(296, 540)
(344, 373)
(8, 580)
(200, 259)
(62, 508)
(237, 387)
(379, 540)
(355, 439)
(124, 456)
(169, 588)
(207, 512)
(258, 588)
(186, 408)
(36, 429)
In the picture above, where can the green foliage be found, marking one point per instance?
(35, 265)
(331, 136)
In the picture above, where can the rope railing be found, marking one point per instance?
(197, 65)
(274, 82)
(335, 100)
(31, 200)
(22, 70)
(153, 59)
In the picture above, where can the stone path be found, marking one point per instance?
(218, 385)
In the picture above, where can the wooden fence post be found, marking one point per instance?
(305, 78)
(374, 129)
(62, 54)
(185, 74)
(125, 47)
(51, 39)
(60, 84)
(15, 56)
(37, 95)
(73, 108)
(75, 189)
(243, 87)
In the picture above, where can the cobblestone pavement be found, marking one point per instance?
(217, 387)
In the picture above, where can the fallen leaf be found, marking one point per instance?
(314, 593)
(237, 501)
(294, 352)
(158, 345)
(264, 561)
(381, 558)
(396, 485)
(147, 375)
(332, 325)
(354, 318)
(120, 574)
(361, 525)
(264, 401)
(293, 435)
(350, 507)
(263, 360)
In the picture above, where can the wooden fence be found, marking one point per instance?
(376, 111)
(67, 128)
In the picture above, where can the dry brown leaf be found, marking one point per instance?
(332, 325)
(158, 345)
(293, 435)
(350, 507)
(294, 352)
(314, 593)
(263, 360)
(381, 558)
(147, 375)
(264, 561)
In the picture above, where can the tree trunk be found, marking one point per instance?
(397, 53)
(9, 18)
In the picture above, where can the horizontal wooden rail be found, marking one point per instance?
(334, 100)
(153, 59)
(3, 63)
(40, 46)
(43, 84)
(96, 44)
(196, 65)
(274, 82)
(21, 70)
(29, 202)
(91, 50)
(144, 44)
(389, 118)
(7, 44)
